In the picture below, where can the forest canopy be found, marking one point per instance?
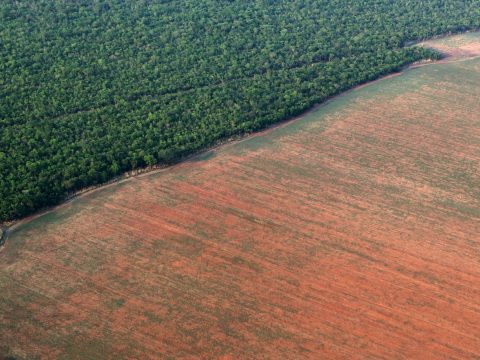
(91, 89)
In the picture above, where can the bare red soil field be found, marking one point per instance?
(458, 46)
(351, 233)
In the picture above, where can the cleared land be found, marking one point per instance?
(457, 47)
(352, 233)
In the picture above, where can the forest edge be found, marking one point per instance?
(7, 227)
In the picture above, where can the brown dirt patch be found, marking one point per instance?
(457, 47)
(353, 233)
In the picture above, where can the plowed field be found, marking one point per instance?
(351, 233)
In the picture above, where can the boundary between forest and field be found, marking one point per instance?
(8, 227)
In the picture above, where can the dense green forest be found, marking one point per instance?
(91, 89)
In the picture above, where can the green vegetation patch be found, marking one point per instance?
(89, 90)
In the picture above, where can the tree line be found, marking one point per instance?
(91, 89)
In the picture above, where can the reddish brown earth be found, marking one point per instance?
(457, 47)
(352, 233)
